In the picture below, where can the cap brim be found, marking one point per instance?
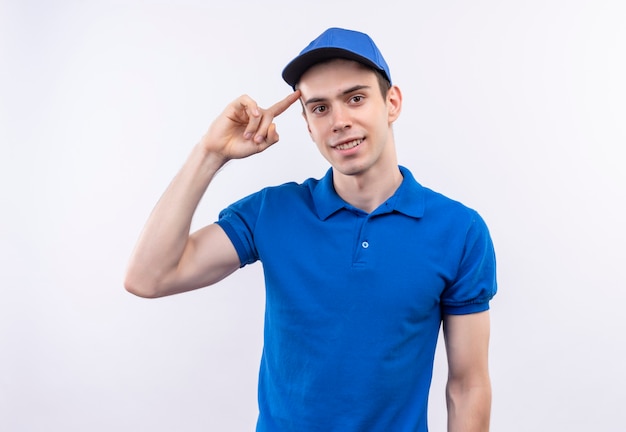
(298, 66)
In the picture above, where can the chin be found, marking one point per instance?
(349, 169)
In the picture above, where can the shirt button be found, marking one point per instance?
(365, 245)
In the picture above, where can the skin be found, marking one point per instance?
(468, 390)
(350, 121)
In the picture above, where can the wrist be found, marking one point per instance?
(210, 160)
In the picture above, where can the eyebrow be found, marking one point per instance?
(345, 92)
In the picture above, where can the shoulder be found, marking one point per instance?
(417, 191)
(288, 191)
(439, 210)
(281, 195)
(444, 206)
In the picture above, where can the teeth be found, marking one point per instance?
(349, 145)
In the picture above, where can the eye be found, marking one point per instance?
(356, 98)
(319, 109)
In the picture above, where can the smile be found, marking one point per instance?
(349, 145)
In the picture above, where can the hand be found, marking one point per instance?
(244, 129)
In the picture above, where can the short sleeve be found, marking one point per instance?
(475, 283)
(238, 221)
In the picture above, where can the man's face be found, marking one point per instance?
(348, 118)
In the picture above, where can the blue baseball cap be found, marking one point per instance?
(336, 43)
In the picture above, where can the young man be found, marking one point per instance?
(361, 266)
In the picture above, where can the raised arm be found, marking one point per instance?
(468, 392)
(167, 259)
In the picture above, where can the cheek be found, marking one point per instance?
(315, 130)
(318, 139)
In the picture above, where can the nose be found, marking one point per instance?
(340, 119)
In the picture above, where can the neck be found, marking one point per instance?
(369, 190)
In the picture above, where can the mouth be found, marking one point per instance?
(348, 145)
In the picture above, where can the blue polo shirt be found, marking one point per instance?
(354, 301)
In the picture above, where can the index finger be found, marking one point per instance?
(279, 107)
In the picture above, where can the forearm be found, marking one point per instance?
(164, 238)
(469, 405)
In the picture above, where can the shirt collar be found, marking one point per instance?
(408, 198)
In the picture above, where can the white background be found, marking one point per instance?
(517, 109)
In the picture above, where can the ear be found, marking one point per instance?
(394, 103)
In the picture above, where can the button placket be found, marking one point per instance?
(362, 241)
